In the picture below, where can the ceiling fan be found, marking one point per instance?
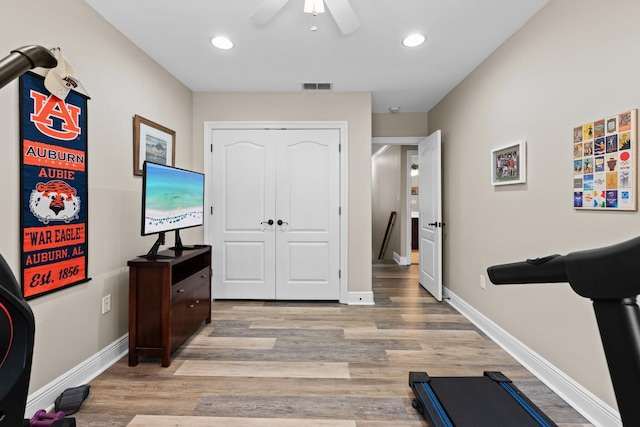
(341, 11)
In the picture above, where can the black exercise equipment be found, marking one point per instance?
(488, 401)
(22, 60)
(17, 329)
(610, 277)
(17, 325)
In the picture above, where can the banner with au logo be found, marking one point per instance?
(54, 205)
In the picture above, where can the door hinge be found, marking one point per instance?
(212, 148)
(339, 148)
(211, 210)
(339, 274)
(339, 210)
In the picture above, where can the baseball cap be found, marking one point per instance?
(61, 79)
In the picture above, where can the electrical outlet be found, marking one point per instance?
(106, 304)
(483, 284)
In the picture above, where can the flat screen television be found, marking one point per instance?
(172, 200)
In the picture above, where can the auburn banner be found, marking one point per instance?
(53, 135)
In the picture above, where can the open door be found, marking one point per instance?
(430, 206)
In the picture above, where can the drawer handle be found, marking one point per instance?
(191, 306)
(180, 291)
(197, 301)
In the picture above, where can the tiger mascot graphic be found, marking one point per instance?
(54, 201)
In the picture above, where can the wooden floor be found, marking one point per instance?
(310, 364)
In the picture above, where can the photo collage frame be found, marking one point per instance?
(604, 163)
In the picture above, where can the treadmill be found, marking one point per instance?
(491, 400)
(610, 277)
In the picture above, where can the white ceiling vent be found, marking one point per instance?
(317, 86)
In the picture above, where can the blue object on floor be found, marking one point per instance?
(488, 401)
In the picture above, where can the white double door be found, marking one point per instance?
(276, 225)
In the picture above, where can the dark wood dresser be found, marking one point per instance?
(169, 298)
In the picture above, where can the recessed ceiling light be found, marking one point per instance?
(413, 40)
(222, 42)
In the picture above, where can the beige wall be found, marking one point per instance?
(572, 63)
(399, 124)
(386, 191)
(354, 108)
(122, 81)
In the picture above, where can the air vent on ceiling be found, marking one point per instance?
(317, 86)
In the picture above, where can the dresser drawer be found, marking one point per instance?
(183, 288)
(188, 313)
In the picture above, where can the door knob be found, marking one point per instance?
(280, 222)
(270, 222)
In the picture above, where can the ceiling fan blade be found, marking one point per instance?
(267, 11)
(344, 15)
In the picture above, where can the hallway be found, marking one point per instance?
(268, 363)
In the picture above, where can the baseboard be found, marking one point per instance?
(360, 298)
(582, 400)
(45, 397)
(401, 260)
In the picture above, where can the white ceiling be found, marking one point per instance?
(280, 56)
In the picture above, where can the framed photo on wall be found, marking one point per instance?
(152, 142)
(509, 164)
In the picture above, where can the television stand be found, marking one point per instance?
(169, 298)
(153, 252)
(180, 247)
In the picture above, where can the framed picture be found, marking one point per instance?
(509, 164)
(604, 163)
(152, 142)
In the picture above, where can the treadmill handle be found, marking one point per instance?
(550, 269)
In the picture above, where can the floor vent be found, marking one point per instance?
(317, 86)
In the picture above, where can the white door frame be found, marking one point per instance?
(209, 126)
(402, 140)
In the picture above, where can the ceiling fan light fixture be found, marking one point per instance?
(221, 42)
(413, 40)
(314, 6)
